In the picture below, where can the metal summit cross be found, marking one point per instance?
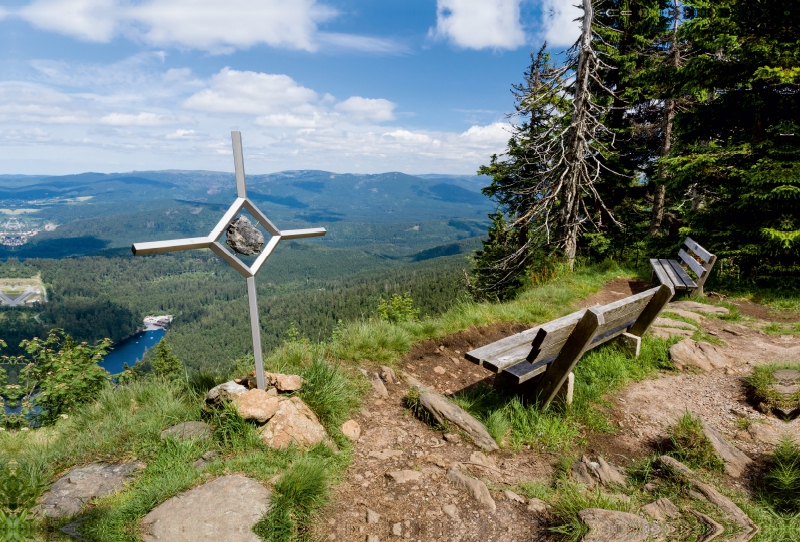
(212, 241)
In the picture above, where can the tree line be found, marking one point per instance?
(666, 119)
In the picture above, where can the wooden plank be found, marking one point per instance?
(522, 372)
(673, 277)
(692, 263)
(697, 249)
(687, 280)
(658, 269)
(479, 355)
(610, 333)
(702, 280)
(508, 358)
(573, 349)
(657, 303)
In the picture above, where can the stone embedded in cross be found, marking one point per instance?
(211, 241)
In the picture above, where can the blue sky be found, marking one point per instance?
(366, 86)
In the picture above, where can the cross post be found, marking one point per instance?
(211, 241)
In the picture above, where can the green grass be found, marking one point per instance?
(781, 489)
(782, 329)
(690, 445)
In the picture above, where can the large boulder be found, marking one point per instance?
(224, 509)
(705, 356)
(80, 485)
(257, 405)
(293, 423)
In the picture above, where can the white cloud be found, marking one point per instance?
(209, 25)
(480, 24)
(496, 133)
(560, 29)
(140, 119)
(366, 109)
(360, 43)
(233, 91)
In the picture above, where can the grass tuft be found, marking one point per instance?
(781, 489)
(691, 446)
(759, 384)
(331, 393)
(298, 494)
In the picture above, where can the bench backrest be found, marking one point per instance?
(702, 268)
(522, 356)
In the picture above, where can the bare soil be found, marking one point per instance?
(392, 439)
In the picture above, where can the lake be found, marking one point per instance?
(131, 350)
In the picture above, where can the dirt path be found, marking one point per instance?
(393, 440)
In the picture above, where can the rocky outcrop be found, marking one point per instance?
(705, 356)
(224, 509)
(80, 485)
(444, 411)
(187, 430)
(694, 306)
(257, 405)
(736, 463)
(615, 526)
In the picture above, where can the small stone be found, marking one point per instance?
(650, 487)
(538, 506)
(736, 462)
(224, 392)
(482, 459)
(187, 430)
(450, 510)
(453, 438)
(383, 455)
(378, 387)
(473, 487)
(404, 476)
(397, 529)
(614, 526)
(661, 509)
(272, 392)
(439, 370)
(372, 516)
(210, 455)
(580, 472)
(243, 237)
(373, 538)
(387, 374)
(511, 496)
(444, 411)
(608, 474)
(257, 405)
(284, 382)
(351, 430)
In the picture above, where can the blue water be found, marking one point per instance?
(131, 350)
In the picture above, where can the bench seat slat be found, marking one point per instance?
(524, 371)
(698, 269)
(687, 280)
(658, 269)
(676, 280)
(497, 348)
(697, 249)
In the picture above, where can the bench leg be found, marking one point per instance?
(632, 344)
(567, 391)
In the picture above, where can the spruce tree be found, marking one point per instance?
(164, 363)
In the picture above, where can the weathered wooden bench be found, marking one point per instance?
(673, 272)
(539, 360)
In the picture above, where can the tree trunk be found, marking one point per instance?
(577, 138)
(657, 215)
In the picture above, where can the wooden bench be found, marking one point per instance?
(539, 360)
(673, 272)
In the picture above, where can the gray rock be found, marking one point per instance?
(444, 411)
(226, 391)
(223, 509)
(694, 306)
(404, 476)
(80, 485)
(763, 432)
(243, 237)
(670, 322)
(474, 487)
(538, 506)
(206, 458)
(397, 529)
(450, 510)
(379, 387)
(702, 355)
(187, 430)
(713, 529)
(387, 374)
(665, 333)
(661, 509)
(293, 423)
(452, 438)
(511, 496)
(580, 473)
(372, 516)
(736, 463)
(614, 526)
(608, 474)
